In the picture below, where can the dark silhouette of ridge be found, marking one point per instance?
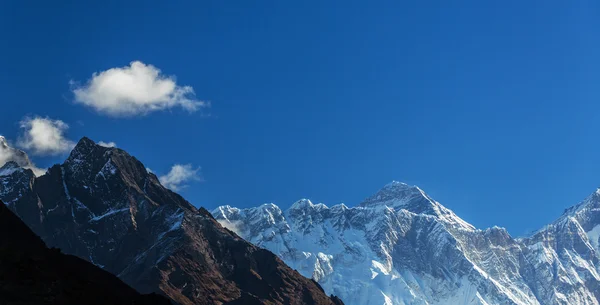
(32, 274)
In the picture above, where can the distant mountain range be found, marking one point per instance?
(103, 205)
(401, 247)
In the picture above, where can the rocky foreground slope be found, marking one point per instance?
(102, 205)
(402, 247)
(32, 274)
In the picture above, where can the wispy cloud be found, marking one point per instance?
(132, 90)
(107, 144)
(235, 226)
(179, 176)
(44, 136)
(8, 153)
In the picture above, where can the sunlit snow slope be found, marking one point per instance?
(402, 247)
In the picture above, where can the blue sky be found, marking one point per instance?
(490, 107)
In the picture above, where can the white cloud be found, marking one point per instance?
(234, 226)
(8, 153)
(136, 89)
(107, 144)
(44, 136)
(179, 176)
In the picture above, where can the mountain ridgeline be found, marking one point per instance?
(401, 247)
(397, 247)
(102, 205)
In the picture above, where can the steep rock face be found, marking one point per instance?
(400, 246)
(102, 205)
(564, 255)
(31, 274)
(16, 184)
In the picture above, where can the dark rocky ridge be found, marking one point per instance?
(32, 274)
(102, 205)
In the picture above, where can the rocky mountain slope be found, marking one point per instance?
(400, 246)
(102, 205)
(31, 274)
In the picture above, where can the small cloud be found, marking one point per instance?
(136, 89)
(44, 136)
(107, 144)
(36, 170)
(179, 176)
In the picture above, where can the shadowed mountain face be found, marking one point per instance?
(31, 274)
(102, 205)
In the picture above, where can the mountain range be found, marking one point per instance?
(398, 246)
(104, 206)
(401, 247)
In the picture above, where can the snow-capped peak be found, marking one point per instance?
(10, 164)
(9, 168)
(591, 202)
(394, 194)
(399, 195)
(225, 211)
(304, 204)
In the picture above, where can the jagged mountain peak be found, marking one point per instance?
(224, 209)
(102, 180)
(103, 205)
(89, 159)
(10, 165)
(591, 201)
(84, 149)
(85, 143)
(397, 194)
(402, 196)
(304, 204)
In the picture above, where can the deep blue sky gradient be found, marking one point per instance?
(492, 107)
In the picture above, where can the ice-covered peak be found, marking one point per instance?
(585, 214)
(301, 204)
(398, 194)
(590, 202)
(10, 164)
(225, 211)
(401, 196)
(9, 168)
(339, 207)
(304, 204)
(397, 184)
